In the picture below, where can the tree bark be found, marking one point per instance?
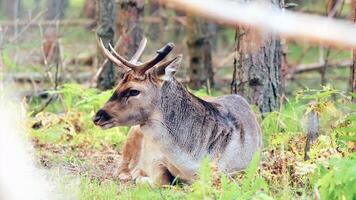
(353, 68)
(129, 26)
(105, 31)
(200, 58)
(257, 68)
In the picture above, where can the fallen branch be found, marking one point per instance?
(39, 78)
(318, 66)
(76, 22)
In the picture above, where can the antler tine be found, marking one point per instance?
(108, 54)
(123, 60)
(139, 51)
(161, 54)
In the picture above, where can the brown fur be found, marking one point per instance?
(130, 153)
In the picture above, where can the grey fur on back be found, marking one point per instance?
(224, 129)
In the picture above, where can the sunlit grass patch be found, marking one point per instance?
(93, 189)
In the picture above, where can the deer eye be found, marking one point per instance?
(134, 93)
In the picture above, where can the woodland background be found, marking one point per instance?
(302, 92)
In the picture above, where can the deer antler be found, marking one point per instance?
(132, 64)
(139, 51)
(108, 54)
(161, 54)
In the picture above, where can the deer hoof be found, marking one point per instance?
(125, 176)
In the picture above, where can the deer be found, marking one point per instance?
(172, 130)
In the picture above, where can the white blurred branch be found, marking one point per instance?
(265, 17)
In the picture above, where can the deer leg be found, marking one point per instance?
(163, 176)
(159, 175)
(130, 153)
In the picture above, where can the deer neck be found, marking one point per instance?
(182, 117)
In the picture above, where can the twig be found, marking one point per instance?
(73, 22)
(27, 26)
(59, 62)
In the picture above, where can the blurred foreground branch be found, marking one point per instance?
(265, 17)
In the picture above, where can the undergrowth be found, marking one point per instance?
(65, 135)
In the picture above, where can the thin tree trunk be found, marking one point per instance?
(56, 9)
(200, 58)
(332, 12)
(129, 25)
(353, 68)
(154, 30)
(257, 68)
(105, 31)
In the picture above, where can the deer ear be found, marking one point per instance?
(167, 69)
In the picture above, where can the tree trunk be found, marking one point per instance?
(353, 68)
(257, 68)
(129, 27)
(56, 9)
(105, 31)
(200, 58)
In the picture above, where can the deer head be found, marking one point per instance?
(138, 92)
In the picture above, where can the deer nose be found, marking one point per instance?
(101, 116)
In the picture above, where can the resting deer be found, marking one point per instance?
(173, 130)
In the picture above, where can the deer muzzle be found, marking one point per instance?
(103, 119)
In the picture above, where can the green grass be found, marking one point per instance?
(92, 189)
